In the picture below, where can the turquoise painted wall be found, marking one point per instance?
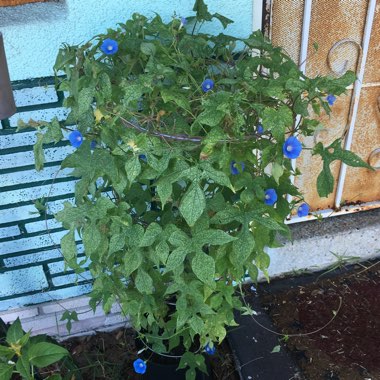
(33, 33)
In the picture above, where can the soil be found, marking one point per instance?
(335, 318)
(110, 356)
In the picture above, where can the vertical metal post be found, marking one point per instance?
(356, 97)
(302, 61)
(7, 103)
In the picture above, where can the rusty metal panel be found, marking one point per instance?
(372, 73)
(337, 28)
(363, 185)
(287, 26)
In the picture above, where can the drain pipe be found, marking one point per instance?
(7, 103)
(302, 66)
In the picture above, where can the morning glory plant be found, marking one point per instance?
(139, 366)
(270, 197)
(292, 147)
(303, 210)
(331, 99)
(76, 139)
(109, 46)
(186, 184)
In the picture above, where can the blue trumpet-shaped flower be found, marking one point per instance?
(76, 139)
(210, 350)
(259, 129)
(207, 85)
(142, 157)
(270, 197)
(109, 46)
(183, 21)
(234, 167)
(331, 99)
(303, 210)
(292, 147)
(140, 366)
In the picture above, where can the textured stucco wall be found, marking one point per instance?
(33, 33)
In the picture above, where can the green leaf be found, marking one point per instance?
(6, 352)
(150, 235)
(262, 261)
(6, 371)
(148, 48)
(132, 92)
(325, 181)
(91, 238)
(117, 243)
(201, 10)
(277, 171)
(204, 268)
(277, 120)
(69, 316)
(43, 354)
(69, 249)
(38, 151)
(176, 258)
(215, 175)
(54, 132)
(144, 282)
(85, 99)
(225, 21)
(276, 349)
(23, 367)
(132, 261)
(227, 216)
(193, 204)
(164, 191)
(267, 222)
(179, 238)
(197, 324)
(162, 251)
(170, 95)
(213, 237)
(15, 332)
(211, 117)
(242, 248)
(351, 159)
(133, 168)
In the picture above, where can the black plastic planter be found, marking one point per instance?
(252, 346)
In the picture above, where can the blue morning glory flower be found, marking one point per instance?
(234, 167)
(109, 46)
(259, 129)
(270, 197)
(292, 147)
(210, 350)
(331, 99)
(93, 145)
(207, 85)
(76, 139)
(183, 21)
(303, 210)
(142, 157)
(139, 366)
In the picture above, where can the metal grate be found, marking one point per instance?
(31, 265)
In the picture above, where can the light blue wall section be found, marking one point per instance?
(33, 33)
